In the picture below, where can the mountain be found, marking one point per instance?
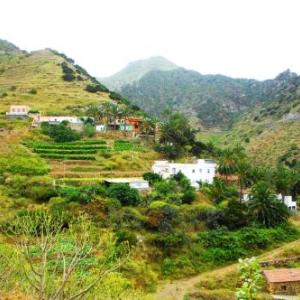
(46, 80)
(211, 101)
(134, 71)
(8, 48)
(271, 131)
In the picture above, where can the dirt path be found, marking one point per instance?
(176, 289)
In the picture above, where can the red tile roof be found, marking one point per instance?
(282, 275)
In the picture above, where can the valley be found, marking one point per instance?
(99, 199)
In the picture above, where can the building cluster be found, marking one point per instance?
(201, 171)
(128, 124)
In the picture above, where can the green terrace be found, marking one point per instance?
(80, 150)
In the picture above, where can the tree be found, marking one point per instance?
(219, 191)
(229, 159)
(124, 193)
(175, 135)
(250, 275)
(96, 112)
(54, 251)
(243, 171)
(60, 133)
(265, 208)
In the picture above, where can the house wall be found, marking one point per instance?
(286, 288)
(203, 170)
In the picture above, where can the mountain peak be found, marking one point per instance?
(135, 70)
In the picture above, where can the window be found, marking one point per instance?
(193, 170)
(283, 287)
(174, 170)
(200, 171)
(208, 170)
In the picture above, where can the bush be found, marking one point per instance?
(162, 216)
(60, 133)
(94, 88)
(89, 130)
(223, 246)
(152, 177)
(126, 236)
(32, 91)
(124, 193)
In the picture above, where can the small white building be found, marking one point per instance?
(100, 127)
(18, 111)
(135, 183)
(59, 119)
(287, 200)
(74, 122)
(203, 170)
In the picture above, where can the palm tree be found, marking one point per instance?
(265, 208)
(243, 170)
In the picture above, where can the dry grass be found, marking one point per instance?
(41, 71)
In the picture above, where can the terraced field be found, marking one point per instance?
(89, 160)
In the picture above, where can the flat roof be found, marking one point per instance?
(282, 275)
(125, 180)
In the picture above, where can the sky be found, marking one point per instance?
(239, 38)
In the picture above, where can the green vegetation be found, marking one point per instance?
(60, 133)
(252, 279)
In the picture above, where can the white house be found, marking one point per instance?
(203, 170)
(135, 183)
(287, 200)
(18, 111)
(75, 123)
(59, 119)
(100, 127)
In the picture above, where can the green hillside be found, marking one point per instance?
(270, 132)
(36, 79)
(134, 71)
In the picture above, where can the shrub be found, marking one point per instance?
(94, 88)
(162, 216)
(124, 193)
(89, 130)
(60, 133)
(126, 236)
(32, 91)
(152, 177)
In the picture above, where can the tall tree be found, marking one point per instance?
(175, 135)
(265, 208)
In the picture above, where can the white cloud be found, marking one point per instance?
(240, 38)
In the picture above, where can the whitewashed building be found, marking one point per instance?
(203, 170)
(18, 111)
(75, 123)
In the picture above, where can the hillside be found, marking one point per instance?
(271, 133)
(134, 71)
(8, 48)
(210, 101)
(36, 79)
